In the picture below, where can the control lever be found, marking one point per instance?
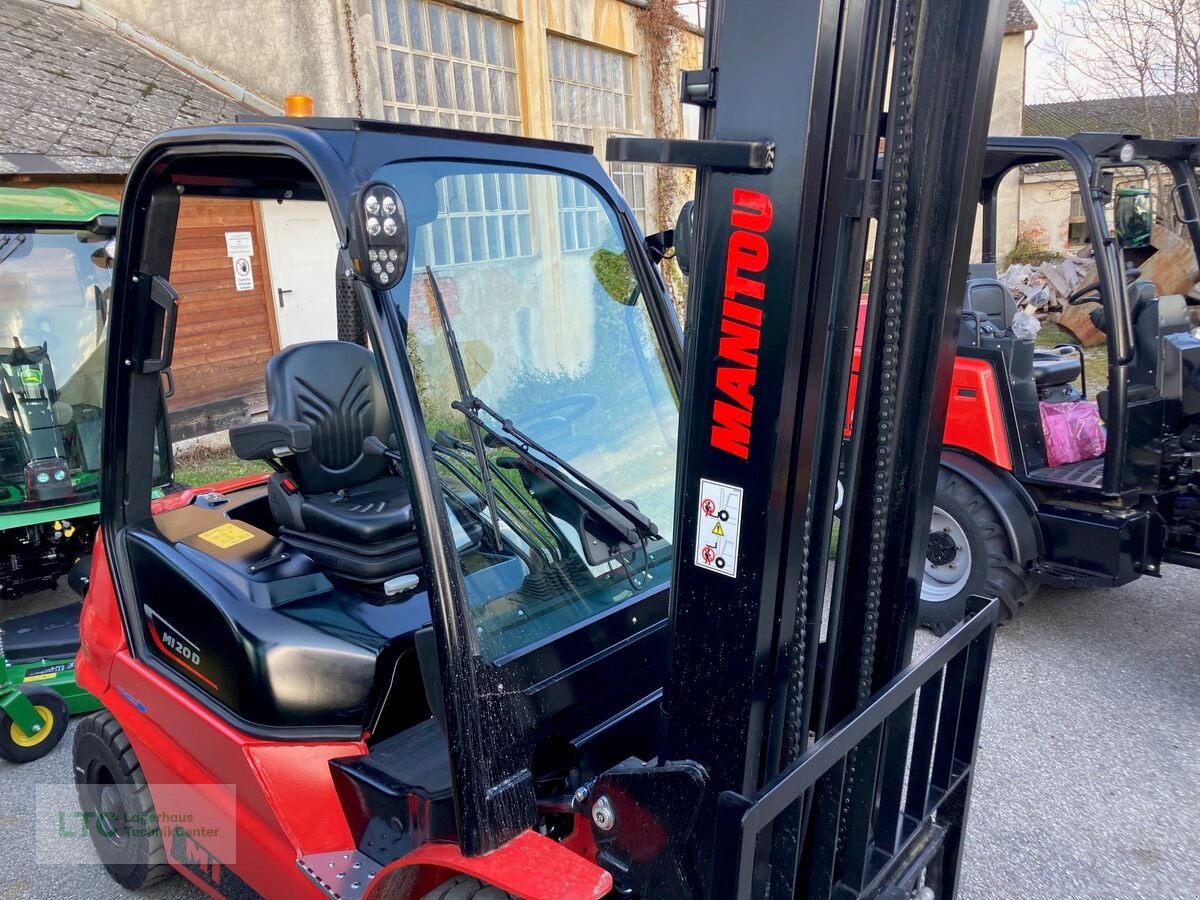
(373, 446)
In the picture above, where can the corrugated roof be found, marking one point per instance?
(1019, 18)
(1159, 116)
(78, 97)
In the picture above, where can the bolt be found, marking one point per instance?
(925, 893)
(37, 728)
(958, 547)
(954, 565)
(581, 797)
(603, 815)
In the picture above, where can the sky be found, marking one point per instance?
(1037, 69)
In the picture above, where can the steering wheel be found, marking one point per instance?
(550, 422)
(568, 408)
(1083, 295)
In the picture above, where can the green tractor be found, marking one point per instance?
(55, 286)
(56, 248)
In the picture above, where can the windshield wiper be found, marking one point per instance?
(464, 390)
(9, 244)
(621, 516)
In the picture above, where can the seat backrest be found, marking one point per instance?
(992, 298)
(334, 388)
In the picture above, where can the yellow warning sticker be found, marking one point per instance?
(41, 676)
(718, 530)
(225, 535)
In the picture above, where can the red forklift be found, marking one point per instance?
(1006, 518)
(534, 601)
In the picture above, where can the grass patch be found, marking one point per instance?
(199, 466)
(1051, 336)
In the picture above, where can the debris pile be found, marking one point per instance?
(1044, 289)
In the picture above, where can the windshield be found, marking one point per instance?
(554, 335)
(54, 291)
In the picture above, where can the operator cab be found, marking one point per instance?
(482, 436)
(1147, 335)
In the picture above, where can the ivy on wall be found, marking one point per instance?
(662, 29)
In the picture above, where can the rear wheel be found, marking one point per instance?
(116, 803)
(968, 552)
(464, 887)
(19, 747)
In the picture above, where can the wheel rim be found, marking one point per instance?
(108, 807)
(21, 739)
(947, 558)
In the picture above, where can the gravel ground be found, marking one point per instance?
(1089, 778)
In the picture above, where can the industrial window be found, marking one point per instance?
(694, 12)
(1076, 224)
(481, 217)
(441, 65)
(593, 97)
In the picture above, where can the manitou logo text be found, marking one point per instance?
(741, 323)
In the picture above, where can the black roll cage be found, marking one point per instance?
(1087, 154)
(326, 160)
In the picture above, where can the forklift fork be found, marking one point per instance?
(906, 832)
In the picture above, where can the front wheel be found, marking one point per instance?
(968, 552)
(464, 887)
(116, 804)
(16, 745)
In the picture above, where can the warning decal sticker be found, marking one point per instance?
(718, 527)
(225, 536)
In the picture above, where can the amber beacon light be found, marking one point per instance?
(298, 105)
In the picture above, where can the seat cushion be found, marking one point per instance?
(377, 510)
(1050, 368)
(45, 635)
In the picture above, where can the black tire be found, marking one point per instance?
(991, 571)
(18, 747)
(113, 796)
(464, 887)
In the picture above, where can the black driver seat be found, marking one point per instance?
(990, 298)
(341, 506)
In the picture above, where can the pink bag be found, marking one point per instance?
(1073, 432)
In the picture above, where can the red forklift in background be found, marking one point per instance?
(497, 634)
(1008, 516)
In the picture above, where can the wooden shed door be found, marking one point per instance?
(225, 334)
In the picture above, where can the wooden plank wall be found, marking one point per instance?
(224, 336)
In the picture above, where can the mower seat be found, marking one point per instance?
(52, 634)
(342, 507)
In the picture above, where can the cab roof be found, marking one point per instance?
(53, 206)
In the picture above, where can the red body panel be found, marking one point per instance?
(531, 866)
(284, 804)
(974, 416)
(974, 420)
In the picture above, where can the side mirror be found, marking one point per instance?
(378, 235)
(684, 239)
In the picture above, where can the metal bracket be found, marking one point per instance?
(698, 87)
(642, 821)
(721, 156)
(864, 199)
